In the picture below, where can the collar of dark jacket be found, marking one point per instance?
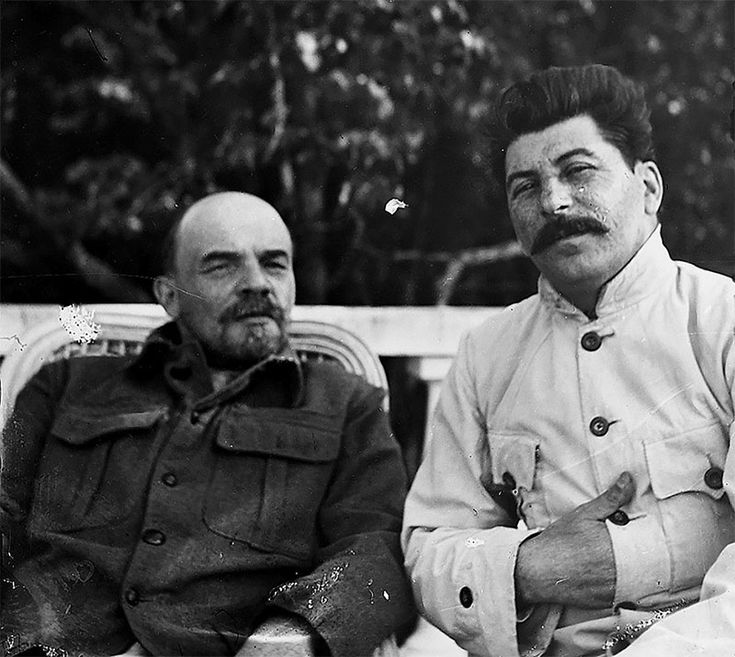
(171, 349)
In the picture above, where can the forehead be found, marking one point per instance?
(231, 225)
(538, 149)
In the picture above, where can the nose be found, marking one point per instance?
(555, 197)
(252, 278)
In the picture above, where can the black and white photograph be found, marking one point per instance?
(367, 328)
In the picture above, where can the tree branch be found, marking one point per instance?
(280, 108)
(93, 271)
(447, 284)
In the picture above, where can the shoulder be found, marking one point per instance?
(503, 328)
(696, 277)
(710, 296)
(78, 370)
(327, 383)
(90, 378)
(95, 369)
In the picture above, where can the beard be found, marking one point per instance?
(244, 345)
(246, 332)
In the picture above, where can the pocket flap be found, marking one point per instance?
(514, 454)
(78, 425)
(301, 436)
(678, 464)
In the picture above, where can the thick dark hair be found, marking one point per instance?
(615, 102)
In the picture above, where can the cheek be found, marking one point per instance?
(523, 223)
(202, 309)
(285, 291)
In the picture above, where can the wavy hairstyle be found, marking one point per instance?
(615, 102)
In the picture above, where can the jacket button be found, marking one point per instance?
(619, 517)
(132, 597)
(713, 477)
(599, 426)
(154, 537)
(591, 341)
(465, 597)
(170, 479)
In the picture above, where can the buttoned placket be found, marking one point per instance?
(610, 452)
(178, 476)
(180, 473)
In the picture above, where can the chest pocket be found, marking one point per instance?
(514, 463)
(270, 475)
(693, 461)
(93, 468)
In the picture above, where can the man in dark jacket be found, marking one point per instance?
(170, 502)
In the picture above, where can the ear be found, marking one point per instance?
(167, 294)
(654, 186)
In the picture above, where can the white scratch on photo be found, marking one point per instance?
(79, 323)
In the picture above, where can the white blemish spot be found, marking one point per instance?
(78, 323)
(393, 205)
(474, 542)
(385, 595)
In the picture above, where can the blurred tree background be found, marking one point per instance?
(116, 115)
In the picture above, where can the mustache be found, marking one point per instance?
(253, 304)
(559, 228)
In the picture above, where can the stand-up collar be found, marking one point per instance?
(172, 350)
(645, 274)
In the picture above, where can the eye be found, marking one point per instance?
(217, 267)
(577, 168)
(275, 264)
(522, 188)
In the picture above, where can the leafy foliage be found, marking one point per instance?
(115, 116)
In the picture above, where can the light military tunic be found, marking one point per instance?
(556, 406)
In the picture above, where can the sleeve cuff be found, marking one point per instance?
(474, 602)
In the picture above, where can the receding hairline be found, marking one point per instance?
(241, 200)
(248, 203)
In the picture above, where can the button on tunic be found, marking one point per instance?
(563, 404)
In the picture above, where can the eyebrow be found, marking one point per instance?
(527, 173)
(274, 253)
(232, 256)
(219, 255)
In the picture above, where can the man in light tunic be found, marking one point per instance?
(599, 412)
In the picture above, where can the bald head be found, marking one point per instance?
(240, 208)
(229, 276)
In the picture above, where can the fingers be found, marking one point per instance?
(620, 493)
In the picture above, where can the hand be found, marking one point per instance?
(571, 562)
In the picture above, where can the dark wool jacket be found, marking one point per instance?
(141, 505)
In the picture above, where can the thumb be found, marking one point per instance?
(620, 493)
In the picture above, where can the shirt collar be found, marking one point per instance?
(172, 345)
(644, 274)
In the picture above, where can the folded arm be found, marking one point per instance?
(461, 546)
(358, 595)
(707, 627)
